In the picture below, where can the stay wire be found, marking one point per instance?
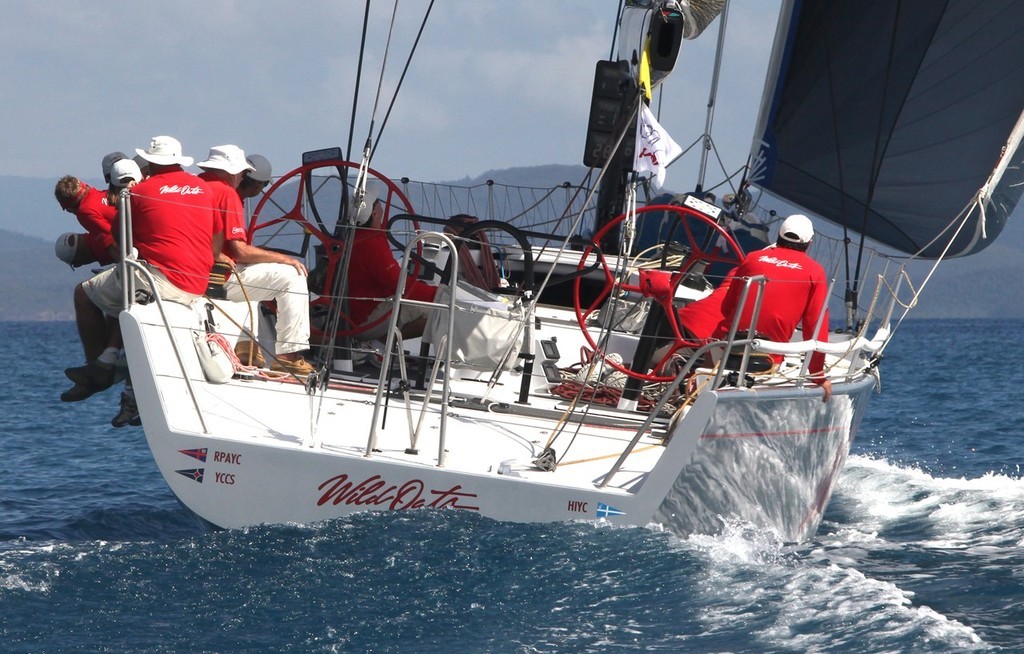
(359, 75)
(401, 79)
(364, 162)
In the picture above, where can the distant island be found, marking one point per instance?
(38, 286)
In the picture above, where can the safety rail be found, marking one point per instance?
(750, 343)
(730, 340)
(129, 259)
(443, 350)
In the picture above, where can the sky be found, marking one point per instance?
(492, 85)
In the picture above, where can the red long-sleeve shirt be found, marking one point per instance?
(373, 273)
(97, 217)
(795, 294)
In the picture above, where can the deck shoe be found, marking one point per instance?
(78, 392)
(95, 374)
(242, 349)
(129, 413)
(297, 366)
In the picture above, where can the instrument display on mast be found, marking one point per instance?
(705, 208)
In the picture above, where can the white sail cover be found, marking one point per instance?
(889, 116)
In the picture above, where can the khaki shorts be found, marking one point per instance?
(406, 315)
(104, 290)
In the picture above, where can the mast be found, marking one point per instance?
(651, 34)
(611, 141)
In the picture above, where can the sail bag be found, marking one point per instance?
(487, 331)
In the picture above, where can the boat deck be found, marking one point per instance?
(481, 438)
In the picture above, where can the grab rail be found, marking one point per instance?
(129, 260)
(442, 240)
(760, 280)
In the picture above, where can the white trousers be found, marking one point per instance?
(283, 283)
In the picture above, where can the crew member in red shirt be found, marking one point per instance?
(95, 214)
(698, 320)
(796, 293)
(258, 274)
(173, 223)
(373, 276)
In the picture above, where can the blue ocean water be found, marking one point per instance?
(920, 550)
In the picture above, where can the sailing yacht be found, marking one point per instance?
(534, 395)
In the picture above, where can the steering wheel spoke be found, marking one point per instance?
(311, 203)
(704, 242)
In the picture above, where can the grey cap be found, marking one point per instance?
(261, 168)
(108, 163)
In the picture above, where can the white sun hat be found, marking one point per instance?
(364, 210)
(66, 246)
(229, 158)
(164, 151)
(797, 229)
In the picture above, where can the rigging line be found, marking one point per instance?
(965, 214)
(626, 237)
(530, 305)
(724, 171)
(850, 292)
(627, 122)
(615, 32)
(364, 162)
(380, 79)
(401, 79)
(337, 304)
(359, 75)
(712, 96)
(879, 148)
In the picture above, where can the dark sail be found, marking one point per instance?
(889, 116)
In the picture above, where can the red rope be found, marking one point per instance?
(589, 393)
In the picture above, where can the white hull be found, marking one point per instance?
(770, 456)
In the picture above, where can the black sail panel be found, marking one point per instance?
(888, 116)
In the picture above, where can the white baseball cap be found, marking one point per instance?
(797, 229)
(229, 158)
(164, 151)
(124, 171)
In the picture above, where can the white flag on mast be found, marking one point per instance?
(655, 149)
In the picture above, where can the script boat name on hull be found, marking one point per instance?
(375, 491)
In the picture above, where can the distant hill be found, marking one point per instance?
(29, 207)
(982, 286)
(536, 176)
(37, 286)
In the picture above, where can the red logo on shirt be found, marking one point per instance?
(181, 190)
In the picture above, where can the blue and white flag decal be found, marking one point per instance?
(605, 511)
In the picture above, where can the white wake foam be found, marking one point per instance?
(986, 511)
(792, 599)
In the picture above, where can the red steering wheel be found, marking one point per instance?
(312, 198)
(659, 285)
